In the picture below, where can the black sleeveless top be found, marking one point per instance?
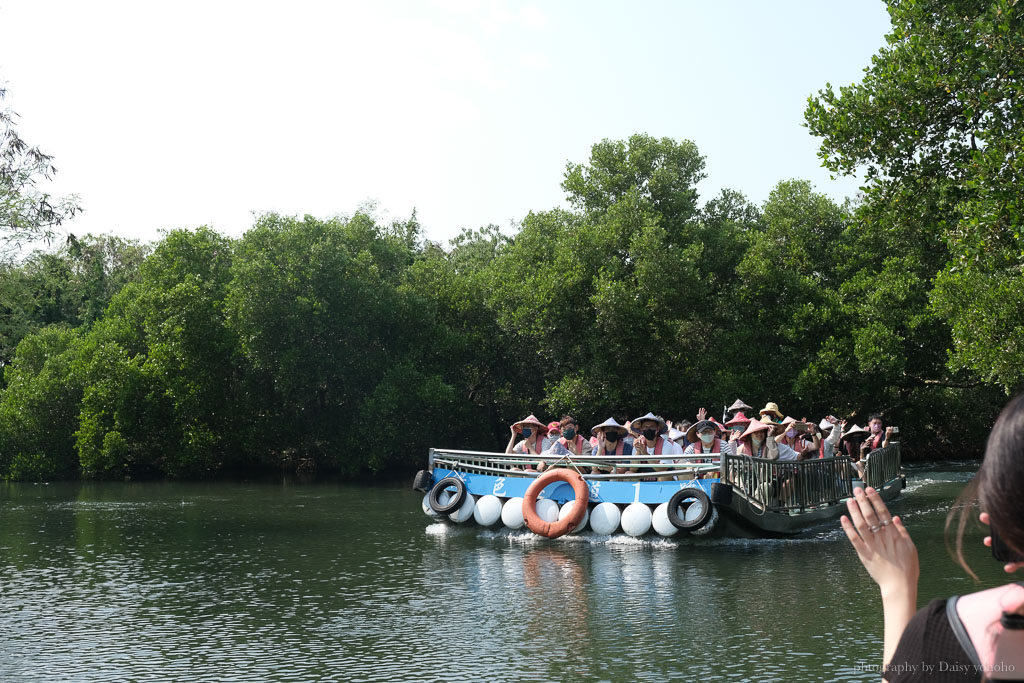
(929, 650)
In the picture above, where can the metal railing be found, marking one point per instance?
(789, 485)
(647, 466)
(882, 466)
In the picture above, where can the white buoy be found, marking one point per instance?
(567, 510)
(426, 507)
(512, 513)
(546, 509)
(694, 511)
(487, 510)
(465, 511)
(661, 523)
(636, 519)
(604, 518)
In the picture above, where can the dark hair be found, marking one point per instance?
(998, 486)
(567, 420)
(875, 416)
(684, 425)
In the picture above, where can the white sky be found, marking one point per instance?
(165, 115)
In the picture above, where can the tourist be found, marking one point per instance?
(737, 406)
(611, 440)
(828, 429)
(796, 436)
(652, 440)
(684, 426)
(878, 438)
(706, 437)
(771, 413)
(736, 426)
(532, 430)
(966, 640)
(571, 442)
(850, 444)
(554, 432)
(756, 442)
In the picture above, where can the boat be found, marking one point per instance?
(705, 495)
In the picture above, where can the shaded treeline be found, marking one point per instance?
(349, 345)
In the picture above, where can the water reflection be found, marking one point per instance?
(279, 583)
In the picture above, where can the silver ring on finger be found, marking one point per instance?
(874, 528)
(886, 522)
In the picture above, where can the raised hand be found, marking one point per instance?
(882, 543)
(702, 415)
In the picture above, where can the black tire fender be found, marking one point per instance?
(422, 481)
(677, 500)
(454, 502)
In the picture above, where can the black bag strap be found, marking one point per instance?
(960, 632)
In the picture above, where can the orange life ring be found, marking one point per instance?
(563, 526)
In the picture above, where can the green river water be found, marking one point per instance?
(286, 582)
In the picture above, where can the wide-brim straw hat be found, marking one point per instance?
(795, 424)
(773, 409)
(662, 427)
(532, 420)
(852, 431)
(610, 423)
(738, 405)
(754, 427)
(691, 433)
(738, 420)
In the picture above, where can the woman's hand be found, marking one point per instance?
(886, 551)
(882, 543)
(1009, 567)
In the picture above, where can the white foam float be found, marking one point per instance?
(487, 510)
(426, 506)
(547, 510)
(604, 518)
(636, 519)
(512, 513)
(465, 511)
(567, 510)
(661, 523)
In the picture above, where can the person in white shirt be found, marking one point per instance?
(653, 439)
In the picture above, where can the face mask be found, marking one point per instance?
(707, 438)
(875, 428)
(569, 433)
(527, 432)
(611, 437)
(650, 434)
(791, 433)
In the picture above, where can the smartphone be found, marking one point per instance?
(1003, 552)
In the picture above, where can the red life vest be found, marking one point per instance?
(716, 447)
(578, 441)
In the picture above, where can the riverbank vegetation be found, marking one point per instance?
(351, 344)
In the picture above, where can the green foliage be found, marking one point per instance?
(938, 122)
(69, 286)
(39, 408)
(26, 214)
